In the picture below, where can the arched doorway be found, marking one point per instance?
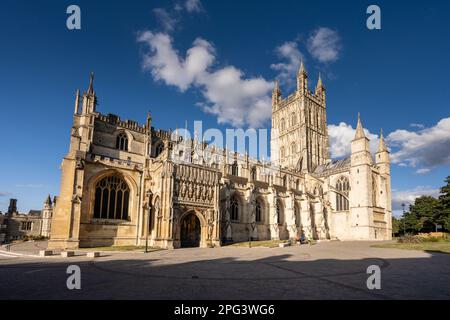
(190, 232)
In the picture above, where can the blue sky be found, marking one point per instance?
(397, 77)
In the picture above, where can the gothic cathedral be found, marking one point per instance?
(124, 183)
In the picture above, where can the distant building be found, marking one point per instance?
(16, 226)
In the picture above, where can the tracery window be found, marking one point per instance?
(343, 188)
(122, 142)
(112, 196)
(282, 125)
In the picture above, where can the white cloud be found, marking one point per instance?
(228, 94)
(193, 6)
(408, 196)
(426, 149)
(287, 70)
(165, 64)
(236, 100)
(423, 171)
(341, 137)
(324, 45)
(4, 194)
(167, 20)
(417, 125)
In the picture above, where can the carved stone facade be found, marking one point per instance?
(125, 184)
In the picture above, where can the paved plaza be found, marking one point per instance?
(329, 270)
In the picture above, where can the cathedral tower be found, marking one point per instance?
(299, 136)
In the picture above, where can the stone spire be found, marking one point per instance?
(302, 69)
(48, 202)
(77, 101)
(302, 79)
(319, 82)
(91, 84)
(320, 89)
(359, 129)
(276, 93)
(382, 146)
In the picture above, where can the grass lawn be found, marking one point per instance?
(263, 243)
(442, 246)
(121, 248)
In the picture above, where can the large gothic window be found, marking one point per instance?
(234, 208)
(122, 142)
(258, 211)
(112, 196)
(282, 152)
(343, 188)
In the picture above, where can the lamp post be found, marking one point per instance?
(149, 221)
(404, 222)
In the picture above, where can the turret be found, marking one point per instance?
(48, 203)
(382, 155)
(302, 79)
(276, 94)
(320, 89)
(360, 144)
(47, 214)
(89, 97)
(77, 101)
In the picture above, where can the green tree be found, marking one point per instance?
(442, 216)
(423, 212)
(396, 226)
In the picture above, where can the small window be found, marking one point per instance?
(282, 125)
(258, 212)
(122, 142)
(253, 174)
(235, 169)
(279, 212)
